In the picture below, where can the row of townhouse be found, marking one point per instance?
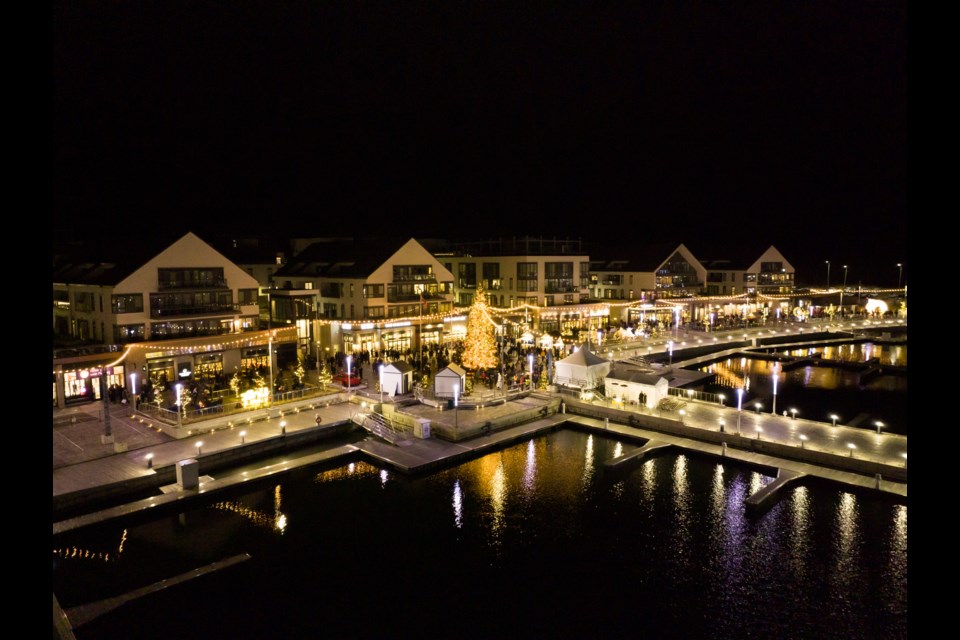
(195, 310)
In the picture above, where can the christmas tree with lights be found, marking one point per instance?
(480, 350)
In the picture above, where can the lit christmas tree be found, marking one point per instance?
(480, 350)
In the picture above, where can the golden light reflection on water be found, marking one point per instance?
(280, 520)
(648, 479)
(384, 476)
(457, 505)
(498, 499)
(618, 450)
(587, 463)
(846, 547)
(800, 530)
(530, 470)
(87, 554)
(356, 469)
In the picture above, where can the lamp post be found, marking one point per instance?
(844, 286)
(880, 426)
(803, 439)
(270, 357)
(739, 406)
(758, 407)
(530, 361)
(834, 417)
(243, 437)
(900, 277)
(794, 412)
(670, 349)
(133, 388)
(682, 413)
(179, 408)
(828, 274)
(722, 398)
(759, 431)
(349, 359)
(380, 368)
(722, 425)
(199, 447)
(773, 411)
(150, 460)
(852, 447)
(283, 426)
(456, 402)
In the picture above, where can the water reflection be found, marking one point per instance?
(457, 505)
(673, 534)
(799, 530)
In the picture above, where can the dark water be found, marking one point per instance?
(819, 391)
(534, 541)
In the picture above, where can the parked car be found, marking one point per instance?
(341, 378)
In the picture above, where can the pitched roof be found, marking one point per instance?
(341, 257)
(583, 357)
(634, 375)
(453, 367)
(640, 257)
(398, 366)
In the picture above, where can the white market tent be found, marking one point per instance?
(582, 369)
(641, 387)
(450, 375)
(397, 378)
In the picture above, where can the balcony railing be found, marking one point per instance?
(216, 283)
(193, 310)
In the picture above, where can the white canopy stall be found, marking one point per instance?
(582, 369)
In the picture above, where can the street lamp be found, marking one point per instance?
(670, 348)
(179, 408)
(739, 404)
(349, 360)
(828, 274)
(773, 410)
(682, 413)
(199, 447)
(722, 398)
(900, 277)
(133, 388)
(456, 402)
(852, 447)
(844, 286)
(381, 385)
(530, 362)
(794, 412)
(758, 406)
(803, 439)
(834, 417)
(880, 426)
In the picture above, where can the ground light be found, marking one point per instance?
(834, 417)
(803, 439)
(852, 447)
(149, 457)
(243, 436)
(199, 447)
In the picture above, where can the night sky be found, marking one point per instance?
(706, 123)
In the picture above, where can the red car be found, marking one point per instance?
(341, 378)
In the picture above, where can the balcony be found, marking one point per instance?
(415, 297)
(175, 285)
(211, 309)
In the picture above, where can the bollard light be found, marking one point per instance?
(834, 417)
(722, 424)
(794, 412)
(283, 426)
(803, 439)
(880, 426)
(243, 436)
(852, 447)
(199, 447)
(904, 459)
(682, 413)
(757, 405)
(722, 398)
(150, 460)
(759, 431)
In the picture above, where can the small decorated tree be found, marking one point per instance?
(324, 376)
